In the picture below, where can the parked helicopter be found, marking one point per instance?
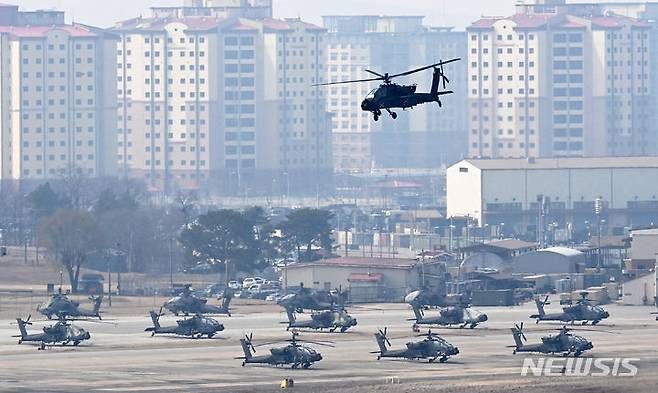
(583, 311)
(295, 354)
(310, 299)
(187, 303)
(330, 320)
(432, 347)
(391, 95)
(565, 343)
(61, 306)
(448, 316)
(433, 298)
(195, 327)
(62, 332)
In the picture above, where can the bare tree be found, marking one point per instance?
(71, 236)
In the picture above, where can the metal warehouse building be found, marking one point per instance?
(495, 191)
(367, 279)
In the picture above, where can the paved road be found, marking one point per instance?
(123, 357)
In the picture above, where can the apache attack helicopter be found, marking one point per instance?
(564, 343)
(391, 95)
(187, 303)
(433, 298)
(62, 332)
(61, 306)
(194, 327)
(583, 311)
(448, 316)
(432, 347)
(295, 354)
(310, 299)
(331, 320)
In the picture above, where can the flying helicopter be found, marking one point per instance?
(564, 342)
(583, 311)
(448, 316)
(294, 354)
(392, 95)
(61, 306)
(310, 299)
(187, 303)
(62, 332)
(432, 347)
(332, 320)
(195, 327)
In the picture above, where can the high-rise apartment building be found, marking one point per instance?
(58, 100)
(557, 79)
(221, 101)
(423, 137)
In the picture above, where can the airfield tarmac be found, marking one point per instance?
(122, 357)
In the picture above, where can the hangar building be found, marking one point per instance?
(495, 191)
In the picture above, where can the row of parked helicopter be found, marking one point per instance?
(328, 312)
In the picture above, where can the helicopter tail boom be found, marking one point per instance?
(418, 312)
(517, 338)
(381, 342)
(156, 320)
(246, 349)
(21, 327)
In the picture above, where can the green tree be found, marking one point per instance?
(228, 237)
(71, 235)
(44, 201)
(108, 200)
(305, 228)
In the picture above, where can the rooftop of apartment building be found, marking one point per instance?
(27, 24)
(537, 14)
(204, 23)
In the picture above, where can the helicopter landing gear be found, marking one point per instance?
(393, 114)
(306, 365)
(595, 322)
(76, 343)
(376, 114)
(443, 359)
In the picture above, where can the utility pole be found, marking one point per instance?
(109, 279)
(171, 267)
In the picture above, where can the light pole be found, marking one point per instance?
(598, 205)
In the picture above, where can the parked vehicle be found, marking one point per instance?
(248, 282)
(234, 285)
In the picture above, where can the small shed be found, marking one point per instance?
(640, 291)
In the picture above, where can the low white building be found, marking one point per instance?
(386, 279)
(552, 260)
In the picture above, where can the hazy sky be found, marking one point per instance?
(104, 13)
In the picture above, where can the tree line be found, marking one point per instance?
(75, 229)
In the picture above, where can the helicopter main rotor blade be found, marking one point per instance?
(268, 343)
(375, 73)
(439, 64)
(352, 81)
